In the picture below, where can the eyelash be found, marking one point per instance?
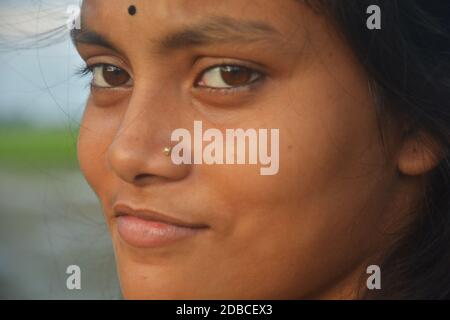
(86, 70)
(230, 90)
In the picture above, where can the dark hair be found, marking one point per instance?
(408, 63)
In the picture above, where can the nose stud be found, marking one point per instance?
(167, 151)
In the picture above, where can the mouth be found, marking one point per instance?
(144, 228)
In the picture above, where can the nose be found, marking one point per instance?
(138, 153)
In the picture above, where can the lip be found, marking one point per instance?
(145, 228)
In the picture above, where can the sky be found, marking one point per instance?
(38, 80)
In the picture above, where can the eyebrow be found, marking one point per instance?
(218, 29)
(213, 30)
(90, 37)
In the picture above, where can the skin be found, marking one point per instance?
(308, 232)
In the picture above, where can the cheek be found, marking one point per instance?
(331, 178)
(327, 141)
(96, 134)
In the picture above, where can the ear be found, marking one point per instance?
(419, 154)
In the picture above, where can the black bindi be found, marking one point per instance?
(132, 10)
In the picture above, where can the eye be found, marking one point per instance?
(228, 77)
(109, 76)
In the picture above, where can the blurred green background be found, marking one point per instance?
(49, 217)
(24, 147)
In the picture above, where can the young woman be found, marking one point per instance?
(364, 133)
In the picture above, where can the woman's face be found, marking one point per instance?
(308, 231)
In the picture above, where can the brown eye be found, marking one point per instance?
(235, 76)
(225, 77)
(109, 76)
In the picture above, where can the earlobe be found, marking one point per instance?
(418, 155)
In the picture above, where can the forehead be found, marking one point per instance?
(162, 15)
